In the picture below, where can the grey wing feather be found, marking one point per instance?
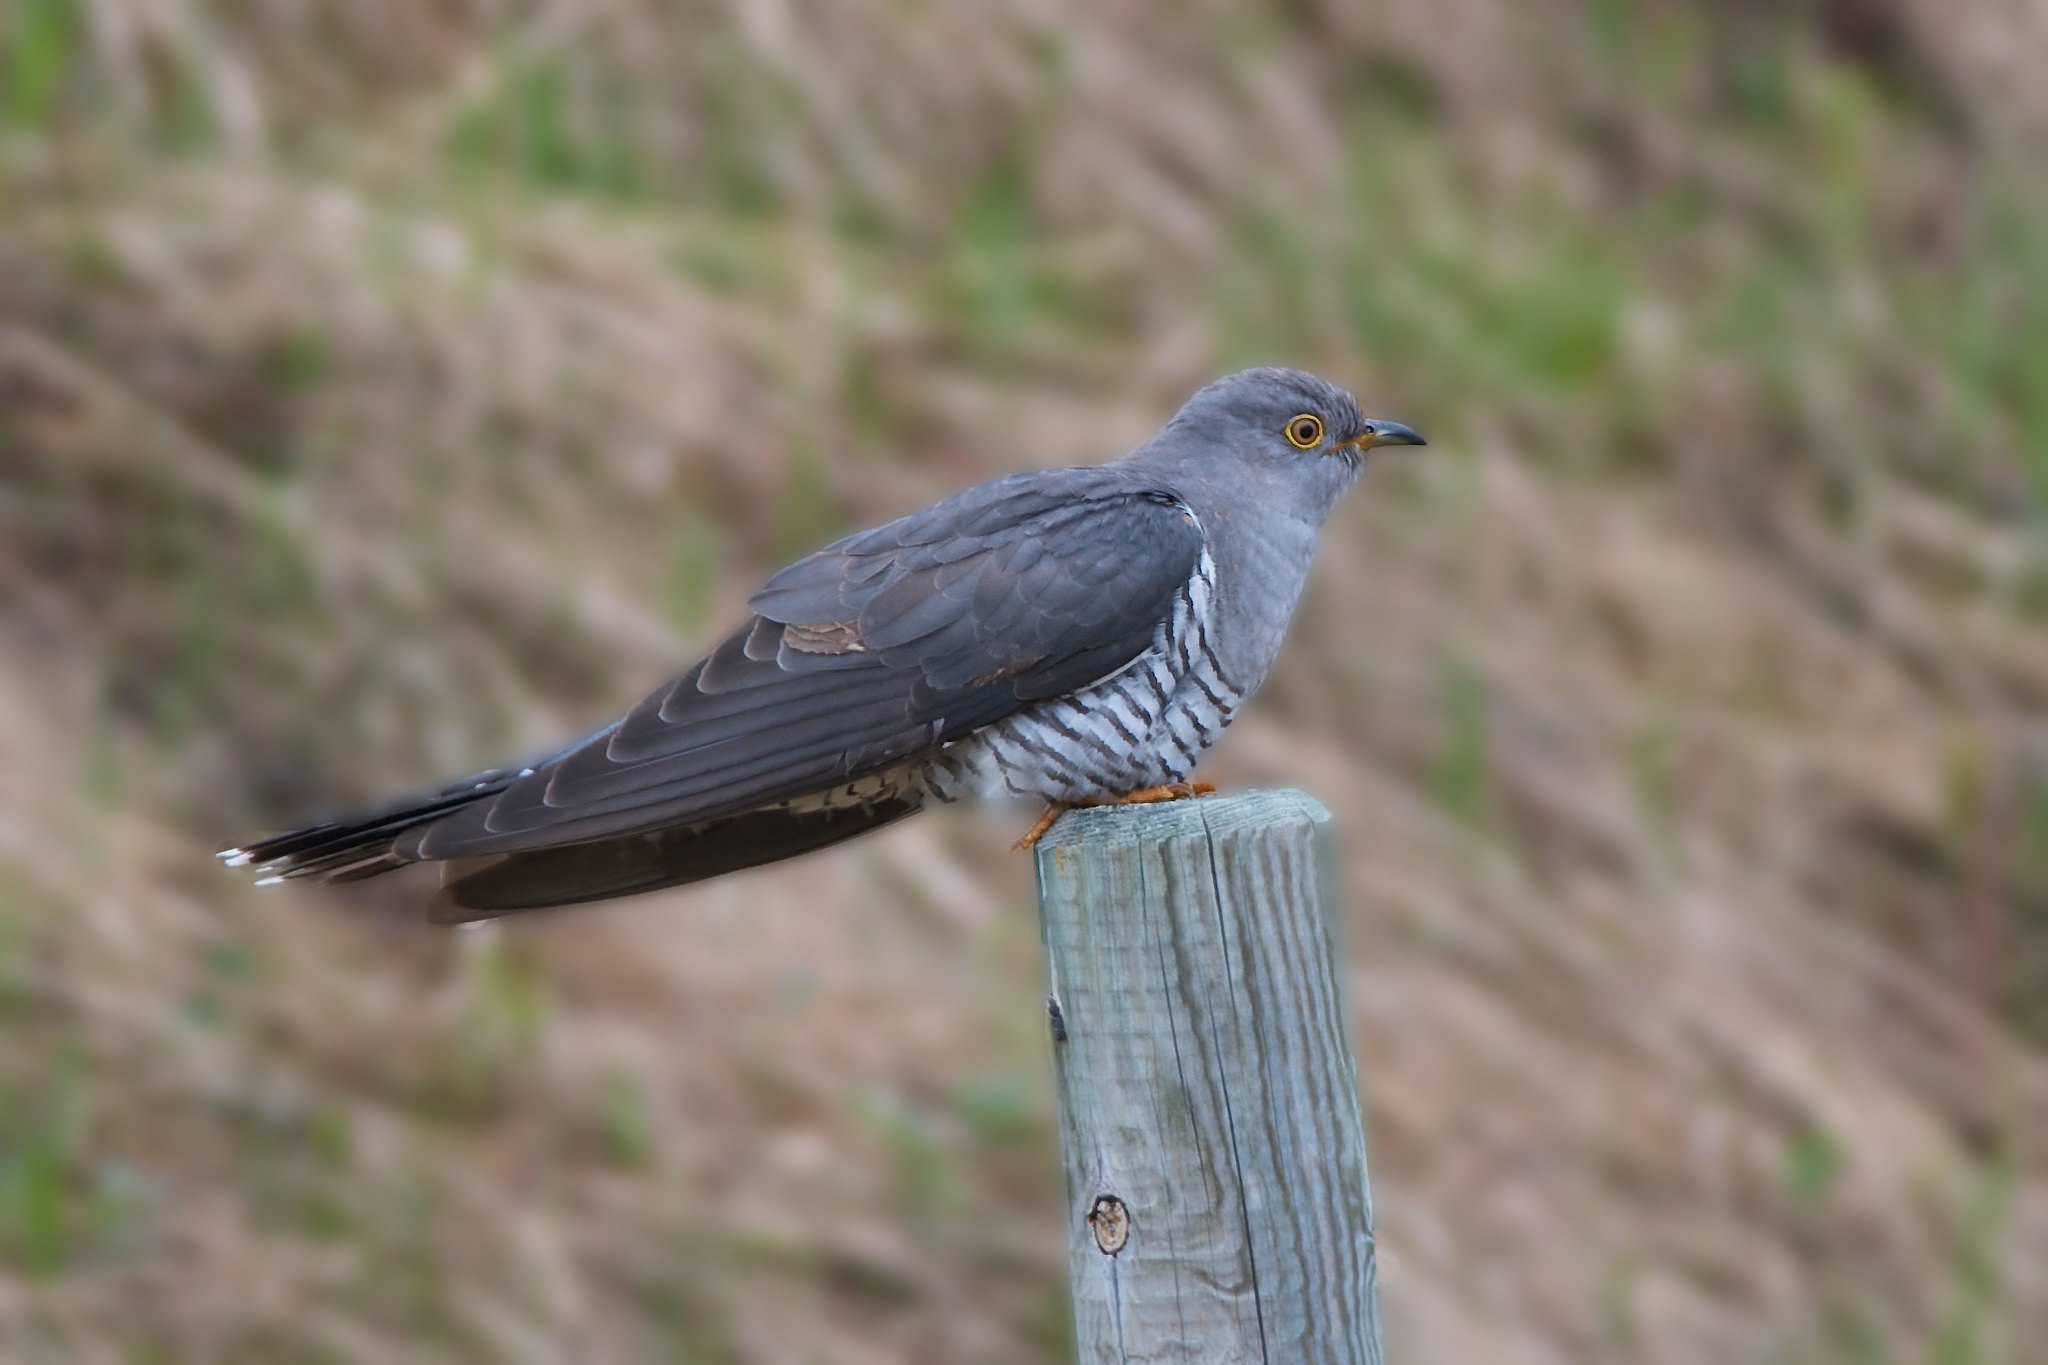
(867, 654)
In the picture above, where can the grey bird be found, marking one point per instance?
(1072, 636)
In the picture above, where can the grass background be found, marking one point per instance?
(386, 387)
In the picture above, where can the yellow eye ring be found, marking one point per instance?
(1305, 432)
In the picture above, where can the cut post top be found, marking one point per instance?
(1223, 813)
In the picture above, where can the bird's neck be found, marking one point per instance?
(1262, 549)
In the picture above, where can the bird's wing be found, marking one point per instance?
(868, 654)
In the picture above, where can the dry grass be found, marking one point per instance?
(384, 388)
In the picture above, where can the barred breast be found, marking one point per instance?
(1143, 726)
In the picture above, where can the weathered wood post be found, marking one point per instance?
(1209, 1112)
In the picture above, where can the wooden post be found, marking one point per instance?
(1209, 1113)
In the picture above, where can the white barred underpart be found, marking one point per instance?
(1143, 726)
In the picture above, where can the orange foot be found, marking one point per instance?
(1053, 811)
(1172, 791)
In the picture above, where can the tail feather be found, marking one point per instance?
(361, 845)
(383, 839)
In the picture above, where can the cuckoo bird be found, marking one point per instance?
(1071, 636)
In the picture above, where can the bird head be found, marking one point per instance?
(1282, 431)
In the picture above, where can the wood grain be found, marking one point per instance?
(1209, 1113)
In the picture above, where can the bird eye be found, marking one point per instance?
(1305, 432)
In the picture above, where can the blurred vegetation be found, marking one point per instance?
(388, 387)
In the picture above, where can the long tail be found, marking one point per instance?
(386, 838)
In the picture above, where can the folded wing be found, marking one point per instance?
(868, 654)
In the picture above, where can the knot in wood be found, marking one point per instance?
(1110, 1220)
(1057, 1017)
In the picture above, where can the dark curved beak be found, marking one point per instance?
(1380, 432)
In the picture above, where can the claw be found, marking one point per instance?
(1053, 812)
(1172, 791)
